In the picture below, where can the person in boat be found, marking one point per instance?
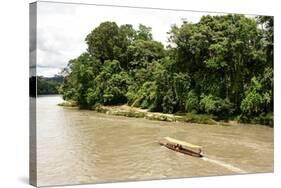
(178, 147)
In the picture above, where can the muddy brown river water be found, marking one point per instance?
(80, 146)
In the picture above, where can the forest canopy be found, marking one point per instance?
(222, 65)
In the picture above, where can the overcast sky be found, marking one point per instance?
(62, 28)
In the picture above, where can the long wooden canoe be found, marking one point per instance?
(182, 146)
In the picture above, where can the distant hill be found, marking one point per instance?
(48, 85)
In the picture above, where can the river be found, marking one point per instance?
(81, 146)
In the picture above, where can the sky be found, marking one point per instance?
(62, 28)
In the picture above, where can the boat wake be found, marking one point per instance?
(223, 164)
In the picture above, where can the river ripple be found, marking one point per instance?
(81, 146)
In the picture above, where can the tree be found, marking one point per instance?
(109, 42)
(224, 50)
(259, 95)
(80, 79)
(110, 85)
(144, 33)
(142, 52)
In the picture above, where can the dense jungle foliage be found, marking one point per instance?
(222, 65)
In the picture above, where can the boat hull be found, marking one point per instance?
(180, 149)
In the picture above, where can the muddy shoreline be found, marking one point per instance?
(127, 111)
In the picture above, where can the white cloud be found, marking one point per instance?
(62, 28)
(47, 71)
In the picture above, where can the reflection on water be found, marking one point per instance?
(81, 146)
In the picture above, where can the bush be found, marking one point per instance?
(169, 102)
(200, 118)
(192, 102)
(263, 119)
(257, 99)
(251, 103)
(215, 105)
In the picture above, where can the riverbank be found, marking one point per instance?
(127, 111)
